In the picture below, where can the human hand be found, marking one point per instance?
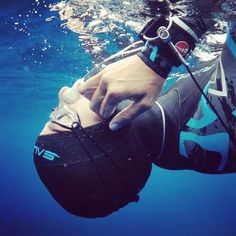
(129, 78)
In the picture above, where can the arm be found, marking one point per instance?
(139, 77)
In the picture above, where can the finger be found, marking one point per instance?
(77, 84)
(88, 88)
(113, 97)
(109, 103)
(128, 114)
(98, 97)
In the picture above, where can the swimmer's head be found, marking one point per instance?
(92, 172)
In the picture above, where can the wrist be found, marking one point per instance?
(157, 53)
(157, 63)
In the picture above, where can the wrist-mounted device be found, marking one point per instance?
(168, 41)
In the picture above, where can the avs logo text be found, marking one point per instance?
(45, 153)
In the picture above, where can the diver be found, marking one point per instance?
(93, 171)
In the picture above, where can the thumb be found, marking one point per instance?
(127, 115)
(88, 88)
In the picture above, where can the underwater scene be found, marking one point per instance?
(47, 44)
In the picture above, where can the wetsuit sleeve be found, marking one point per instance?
(184, 33)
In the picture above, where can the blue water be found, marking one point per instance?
(172, 202)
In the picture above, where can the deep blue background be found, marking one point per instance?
(172, 203)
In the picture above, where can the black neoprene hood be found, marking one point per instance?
(92, 172)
